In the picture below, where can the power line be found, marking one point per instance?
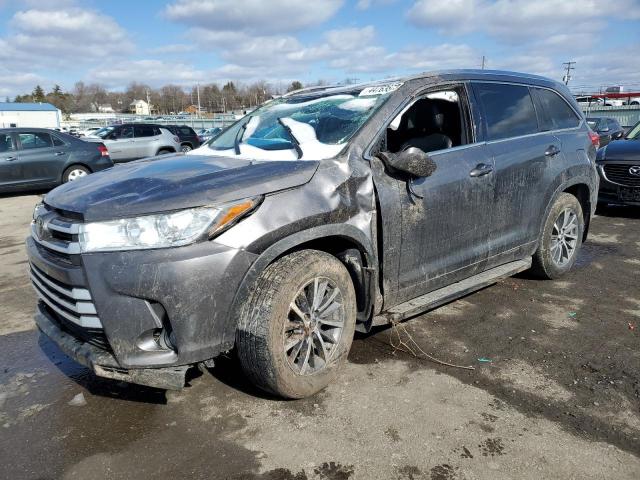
(567, 76)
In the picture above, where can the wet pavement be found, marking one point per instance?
(557, 394)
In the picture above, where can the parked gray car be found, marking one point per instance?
(132, 141)
(33, 158)
(324, 212)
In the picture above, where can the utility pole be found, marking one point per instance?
(483, 61)
(148, 101)
(198, 89)
(567, 76)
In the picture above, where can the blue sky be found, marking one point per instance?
(199, 41)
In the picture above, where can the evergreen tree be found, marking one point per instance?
(38, 94)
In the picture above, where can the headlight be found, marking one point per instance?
(164, 230)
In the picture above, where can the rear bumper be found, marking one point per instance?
(104, 364)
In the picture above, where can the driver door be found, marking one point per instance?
(446, 217)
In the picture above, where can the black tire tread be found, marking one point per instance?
(253, 327)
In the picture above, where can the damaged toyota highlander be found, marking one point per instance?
(324, 212)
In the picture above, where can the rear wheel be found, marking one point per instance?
(75, 172)
(561, 238)
(297, 326)
(186, 148)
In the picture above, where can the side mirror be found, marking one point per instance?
(413, 161)
(618, 135)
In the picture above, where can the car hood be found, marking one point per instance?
(174, 182)
(620, 150)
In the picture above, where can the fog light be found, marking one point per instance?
(157, 339)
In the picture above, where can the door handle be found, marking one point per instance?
(60, 153)
(552, 151)
(10, 159)
(481, 170)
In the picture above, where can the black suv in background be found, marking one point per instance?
(322, 212)
(33, 158)
(189, 139)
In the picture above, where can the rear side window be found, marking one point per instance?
(143, 131)
(35, 140)
(57, 142)
(508, 110)
(555, 111)
(187, 131)
(6, 143)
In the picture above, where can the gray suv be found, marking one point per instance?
(323, 212)
(132, 141)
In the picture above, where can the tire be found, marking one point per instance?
(74, 172)
(268, 322)
(553, 259)
(186, 148)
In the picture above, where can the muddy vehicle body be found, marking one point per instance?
(327, 211)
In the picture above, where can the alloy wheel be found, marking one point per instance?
(314, 326)
(564, 237)
(76, 173)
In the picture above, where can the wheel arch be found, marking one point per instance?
(345, 242)
(583, 189)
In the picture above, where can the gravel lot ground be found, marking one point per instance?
(560, 397)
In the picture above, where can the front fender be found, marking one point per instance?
(292, 242)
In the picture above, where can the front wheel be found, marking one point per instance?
(297, 326)
(561, 238)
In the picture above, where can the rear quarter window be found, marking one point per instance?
(508, 110)
(187, 131)
(555, 112)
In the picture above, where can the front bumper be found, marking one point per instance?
(102, 362)
(188, 291)
(617, 193)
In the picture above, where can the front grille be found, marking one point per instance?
(72, 308)
(619, 173)
(55, 232)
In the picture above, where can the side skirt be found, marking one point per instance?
(451, 292)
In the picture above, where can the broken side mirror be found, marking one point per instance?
(412, 160)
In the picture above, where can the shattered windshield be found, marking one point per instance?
(306, 127)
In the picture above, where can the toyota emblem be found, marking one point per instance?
(39, 227)
(635, 170)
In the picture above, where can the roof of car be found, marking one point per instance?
(467, 74)
(26, 107)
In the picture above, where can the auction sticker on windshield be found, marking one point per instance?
(380, 89)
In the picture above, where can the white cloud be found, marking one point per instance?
(252, 16)
(173, 48)
(152, 72)
(55, 37)
(366, 4)
(523, 21)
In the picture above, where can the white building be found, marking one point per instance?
(36, 115)
(106, 108)
(139, 107)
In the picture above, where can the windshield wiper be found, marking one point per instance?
(239, 135)
(294, 140)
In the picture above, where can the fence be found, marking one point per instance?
(627, 115)
(221, 121)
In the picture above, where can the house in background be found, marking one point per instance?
(30, 115)
(140, 107)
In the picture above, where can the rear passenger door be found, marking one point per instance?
(560, 118)
(521, 153)
(147, 140)
(41, 157)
